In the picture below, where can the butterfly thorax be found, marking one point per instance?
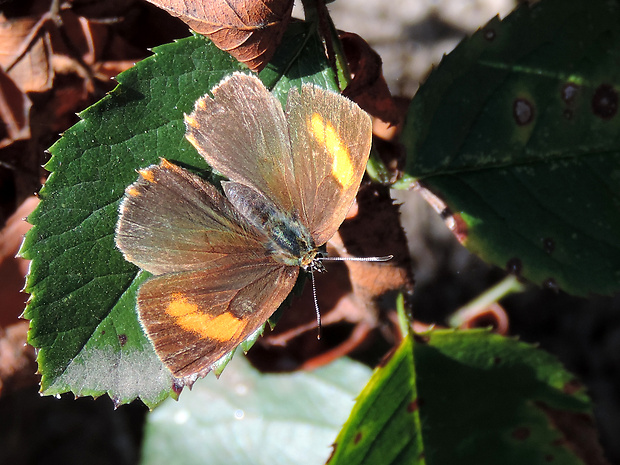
(287, 239)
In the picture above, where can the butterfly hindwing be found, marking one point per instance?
(194, 318)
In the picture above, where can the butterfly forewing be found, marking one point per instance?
(194, 318)
(331, 139)
(171, 220)
(242, 133)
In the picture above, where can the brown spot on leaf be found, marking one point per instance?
(523, 111)
(357, 438)
(122, 339)
(573, 386)
(578, 433)
(605, 101)
(412, 406)
(521, 433)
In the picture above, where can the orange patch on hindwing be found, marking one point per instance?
(190, 317)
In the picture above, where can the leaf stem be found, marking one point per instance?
(509, 285)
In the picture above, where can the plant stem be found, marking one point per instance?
(509, 285)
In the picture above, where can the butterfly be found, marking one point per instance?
(222, 263)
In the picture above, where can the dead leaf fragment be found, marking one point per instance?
(14, 112)
(250, 30)
(368, 87)
(25, 51)
(17, 359)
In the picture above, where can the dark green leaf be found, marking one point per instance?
(469, 397)
(518, 131)
(82, 305)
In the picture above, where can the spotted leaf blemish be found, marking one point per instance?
(605, 101)
(523, 111)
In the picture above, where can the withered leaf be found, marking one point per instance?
(250, 30)
(14, 112)
(25, 52)
(368, 87)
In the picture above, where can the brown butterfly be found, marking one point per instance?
(223, 263)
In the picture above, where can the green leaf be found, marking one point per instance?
(82, 304)
(464, 397)
(241, 418)
(518, 131)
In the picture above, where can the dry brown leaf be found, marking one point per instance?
(250, 30)
(14, 112)
(25, 51)
(368, 87)
(17, 359)
(375, 231)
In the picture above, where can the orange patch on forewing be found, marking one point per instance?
(325, 134)
(202, 103)
(190, 317)
(148, 175)
(132, 191)
(191, 121)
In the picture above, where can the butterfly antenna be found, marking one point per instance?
(358, 259)
(316, 307)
